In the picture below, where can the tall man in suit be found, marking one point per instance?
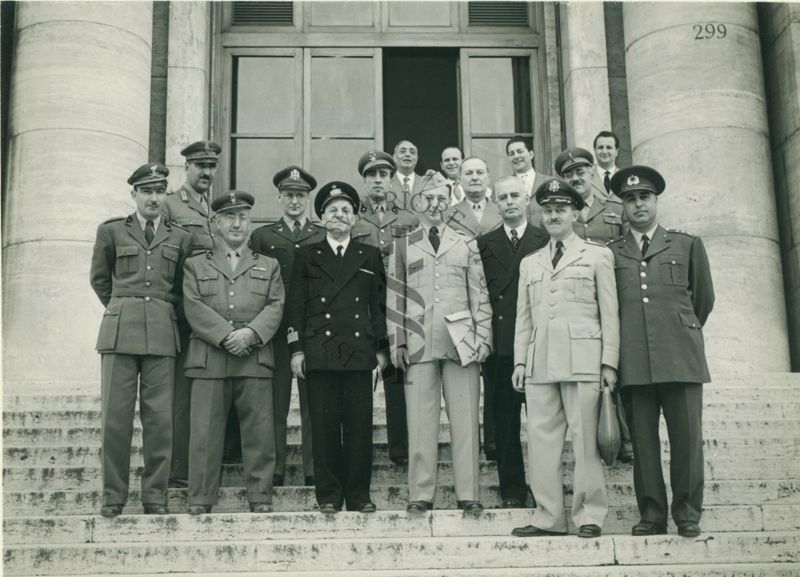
(337, 337)
(519, 150)
(233, 298)
(406, 183)
(501, 252)
(381, 222)
(189, 207)
(136, 273)
(665, 297)
(476, 214)
(566, 348)
(281, 240)
(450, 162)
(439, 322)
(606, 150)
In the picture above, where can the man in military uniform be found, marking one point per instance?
(440, 330)
(565, 350)
(381, 222)
(281, 240)
(189, 207)
(136, 272)
(501, 252)
(337, 337)
(665, 297)
(233, 299)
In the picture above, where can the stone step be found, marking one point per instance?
(239, 527)
(397, 553)
(386, 496)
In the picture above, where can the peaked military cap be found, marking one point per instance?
(637, 177)
(294, 178)
(557, 191)
(335, 190)
(433, 179)
(148, 173)
(376, 159)
(571, 158)
(202, 150)
(233, 200)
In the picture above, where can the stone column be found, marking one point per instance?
(780, 33)
(585, 72)
(187, 81)
(79, 123)
(698, 114)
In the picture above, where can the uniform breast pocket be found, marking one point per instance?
(675, 270)
(258, 281)
(127, 261)
(207, 284)
(535, 289)
(579, 284)
(169, 261)
(414, 274)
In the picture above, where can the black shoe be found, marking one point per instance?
(153, 509)
(399, 461)
(260, 508)
(589, 531)
(644, 528)
(531, 531)
(309, 481)
(626, 453)
(277, 480)
(688, 529)
(368, 507)
(329, 508)
(511, 503)
(199, 509)
(111, 510)
(416, 507)
(490, 453)
(470, 507)
(178, 483)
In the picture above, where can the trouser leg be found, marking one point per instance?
(325, 404)
(253, 400)
(306, 429)
(281, 398)
(119, 379)
(155, 412)
(507, 405)
(396, 424)
(489, 424)
(423, 391)
(181, 407)
(648, 478)
(211, 402)
(461, 388)
(357, 436)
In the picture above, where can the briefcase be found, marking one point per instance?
(461, 329)
(609, 438)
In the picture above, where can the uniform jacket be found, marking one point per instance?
(426, 291)
(534, 210)
(664, 301)
(462, 217)
(598, 187)
(335, 312)
(139, 285)
(567, 318)
(277, 240)
(218, 300)
(400, 199)
(501, 267)
(604, 222)
(369, 229)
(179, 206)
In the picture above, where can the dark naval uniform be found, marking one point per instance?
(665, 298)
(139, 284)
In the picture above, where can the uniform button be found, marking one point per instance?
(436, 287)
(147, 283)
(436, 262)
(148, 267)
(233, 282)
(231, 293)
(552, 315)
(327, 315)
(645, 300)
(322, 300)
(437, 300)
(644, 263)
(147, 299)
(437, 275)
(231, 322)
(327, 333)
(383, 242)
(149, 252)
(231, 306)
(355, 316)
(500, 318)
(643, 274)
(356, 299)
(501, 297)
(644, 287)
(297, 246)
(552, 303)
(272, 247)
(553, 289)
(358, 334)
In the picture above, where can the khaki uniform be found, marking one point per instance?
(461, 217)
(603, 222)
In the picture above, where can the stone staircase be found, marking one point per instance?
(51, 497)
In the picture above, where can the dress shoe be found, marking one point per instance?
(688, 529)
(470, 507)
(277, 480)
(110, 510)
(155, 509)
(199, 509)
(260, 508)
(368, 507)
(178, 483)
(644, 528)
(531, 531)
(589, 531)
(490, 453)
(511, 503)
(329, 508)
(399, 461)
(626, 453)
(309, 481)
(416, 507)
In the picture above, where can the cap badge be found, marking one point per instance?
(554, 186)
(233, 198)
(154, 170)
(295, 174)
(207, 148)
(570, 155)
(335, 191)
(633, 180)
(372, 156)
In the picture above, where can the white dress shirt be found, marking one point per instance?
(637, 236)
(143, 222)
(520, 230)
(344, 243)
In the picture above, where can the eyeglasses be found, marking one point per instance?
(231, 218)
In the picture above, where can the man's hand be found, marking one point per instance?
(383, 360)
(239, 341)
(518, 378)
(483, 352)
(608, 376)
(298, 362)
(400, 358)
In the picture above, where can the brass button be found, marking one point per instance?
(645, 300)
(355, 316)
(500, 318)
(147, 283)
(500, 297)
(644, 263)
(327, 315)
(644, 287)
(327, 333)
(148, 267)
(322, 299)
(231, 322)
(356, 299)
(643, 274)
(147, 299)
(231, 293)
(437, 300)
(149, 252)
(230, 306)
(297, 246)
(358, 334)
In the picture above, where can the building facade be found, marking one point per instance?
(705, 92)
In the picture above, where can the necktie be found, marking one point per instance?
(433, 237)
(607, 181)
(149, 232)
(203, 203)
(559, 253)
(645, 244)
(296, 229)
(514, 240)
(406, 186)
(380, 211)
(340, 253)
(233, 260)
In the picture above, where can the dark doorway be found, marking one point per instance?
(420, 101)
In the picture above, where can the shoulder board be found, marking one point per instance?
(594, 243)
(459, 231)
(675, 230)
(618, 239)
(614, 198)
(115, 219)
(170, 192)
(176, 225)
